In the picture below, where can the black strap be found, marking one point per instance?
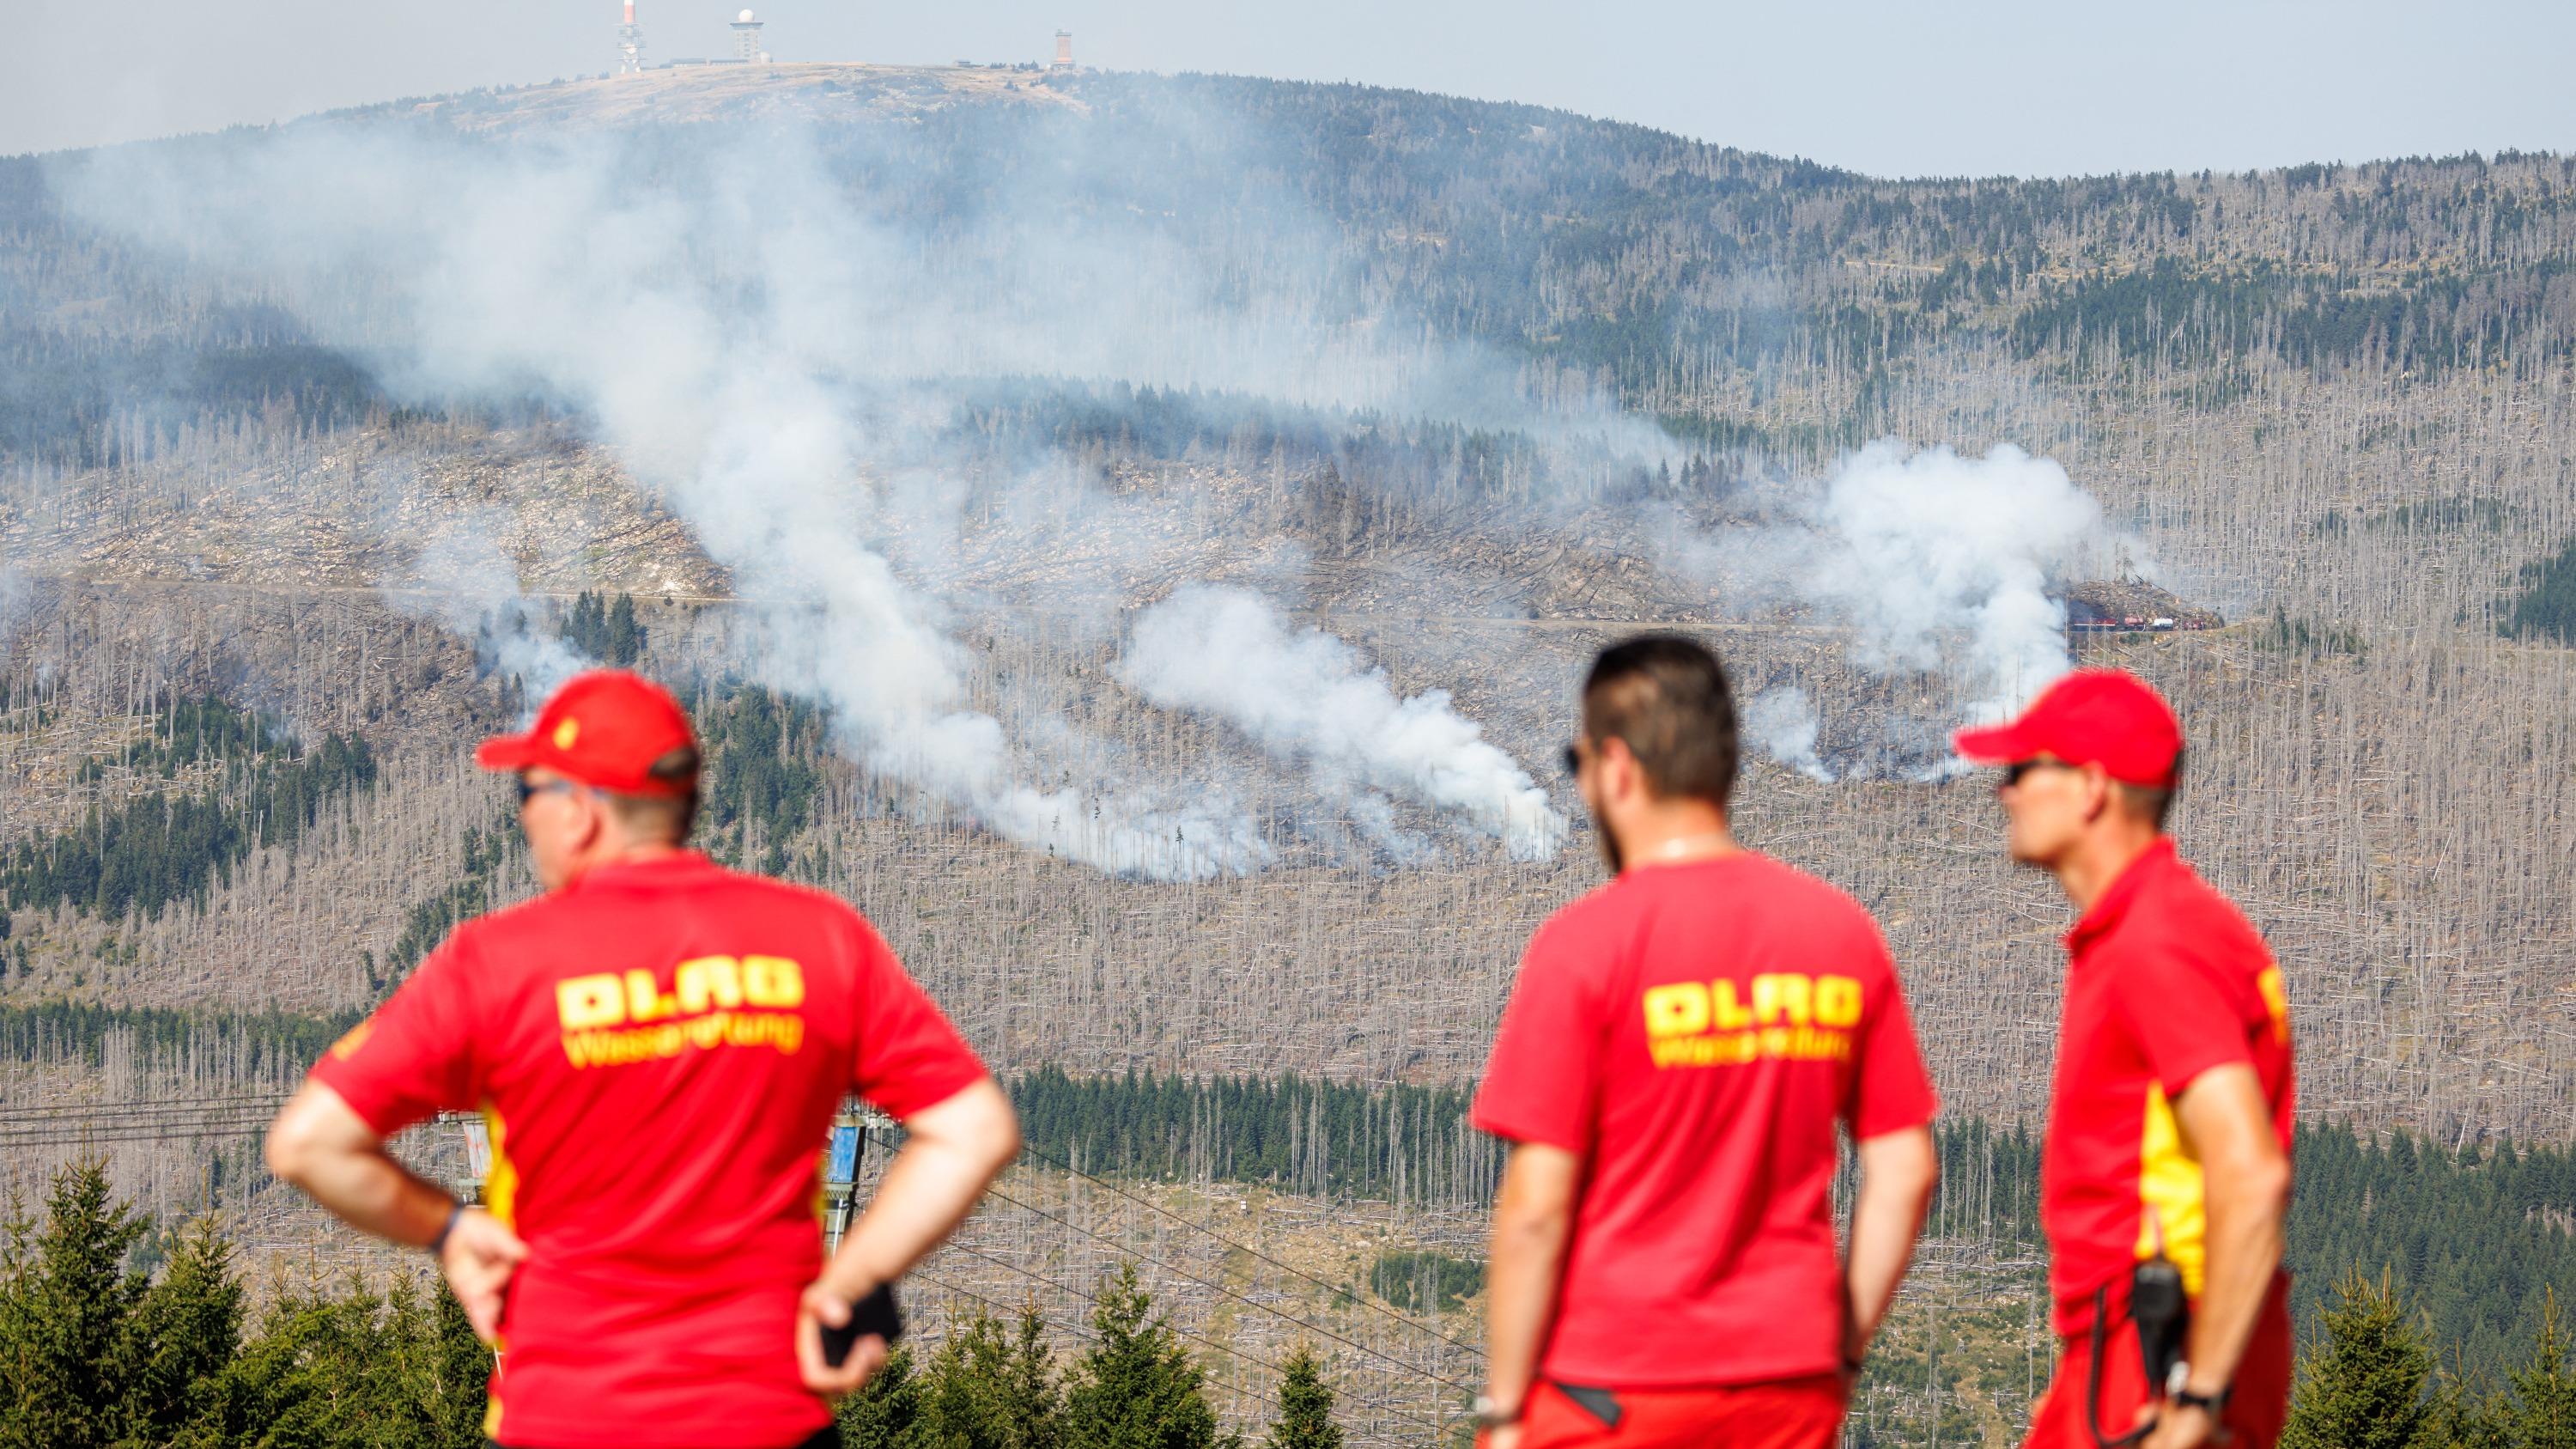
(2093, 1380)
(1601, 1404)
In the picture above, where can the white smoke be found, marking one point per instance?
(1309, 698)
(464, 580)
(16, 594)
(1931, 562)
(712, 339)
(748, 335)
(1783, 722)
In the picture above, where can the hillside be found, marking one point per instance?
(874, 407)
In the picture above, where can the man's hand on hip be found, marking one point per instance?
(822, 1307)
(479, 1257)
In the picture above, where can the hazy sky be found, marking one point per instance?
(1893, 87)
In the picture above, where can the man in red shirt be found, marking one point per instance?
(658, 1046)
(2170, 1121)
(1677, 1053)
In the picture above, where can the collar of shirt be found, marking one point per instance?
(2113, 906)
(615, 870)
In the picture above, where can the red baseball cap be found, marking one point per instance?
(605, 728)
(2106, 717)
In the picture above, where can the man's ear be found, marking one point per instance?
(595, 821)
(2097, 792)
(1618, 768)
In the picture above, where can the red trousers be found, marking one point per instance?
(1788, 1414)
(2260, 1400)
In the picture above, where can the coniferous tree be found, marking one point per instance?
(888, 1412)
(2362, 1386)
(325, 1371)
(1305, 1406)
(962, 1392)
(463, 1366)
(1032, 1400)
(1136, 1388)
(63, 1310)
(623, 637)
(173, 1348)
(2546, 1387)
(2466, 1414)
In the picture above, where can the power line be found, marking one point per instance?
(138, 1105)
(233, 1132)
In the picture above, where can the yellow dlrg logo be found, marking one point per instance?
(706, 983)
(1688, 1008)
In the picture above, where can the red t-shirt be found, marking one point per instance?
(659, 1049)
(2167, 980)
(1696, 1031)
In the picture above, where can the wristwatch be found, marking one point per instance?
(1490, 1413)
(2214, 1405)
(2176, 1390)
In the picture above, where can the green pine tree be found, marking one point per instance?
(2362, 1386)
(173, 1350)
(888, 1412)
(2546, 1387)
(962, 1392)
(1305, 1406)
(622, 637)
(1136, 1388)
(463, 1369)
(2466, 1414)
(330, 1372)
(65, 1296)
(1032, 1400)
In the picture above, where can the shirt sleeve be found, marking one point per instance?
(1544, 1076)
(909, 1056)
(2180, 1015)
(1891, 1090)
(414, 1058)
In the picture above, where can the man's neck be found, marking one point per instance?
(624, 855)
(1676, 834)
(2100, 859)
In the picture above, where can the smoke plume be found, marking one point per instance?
(765, 342)
(1310, 698)
(464, 580)
(1783, 723)
(1929, 562)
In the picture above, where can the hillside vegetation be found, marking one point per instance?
(262, 585)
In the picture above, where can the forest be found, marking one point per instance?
(2329, 406)
(251, 788)
(121, 1333)
(2477, 1240)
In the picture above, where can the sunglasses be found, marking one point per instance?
(1574, 759)
(2018, 768)
(528, 791)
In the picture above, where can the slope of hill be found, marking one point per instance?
(1472, 388)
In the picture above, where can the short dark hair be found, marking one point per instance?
(2152, 802)
(671, 816)
(1667, 699)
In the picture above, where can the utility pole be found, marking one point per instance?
(842, 1153)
